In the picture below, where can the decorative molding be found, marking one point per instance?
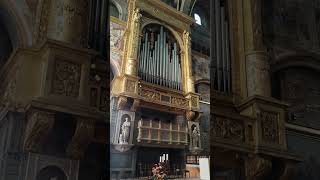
(135, 105)
(257, 168)
(38, 127)
(122, 101)
(228, 129)
(82, 137)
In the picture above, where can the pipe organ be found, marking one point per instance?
(159, 58)
(221, 63)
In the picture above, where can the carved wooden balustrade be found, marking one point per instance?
(160, 96)
(155, 131)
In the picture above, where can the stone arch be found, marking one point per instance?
(49, 172)
(288, 60)
(174, 33)
(17, 23)
(119, 8)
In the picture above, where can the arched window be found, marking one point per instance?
(114, 10)
(197, 18)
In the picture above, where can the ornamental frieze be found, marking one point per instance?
(228, 129)
(179, 102)
(149, 95)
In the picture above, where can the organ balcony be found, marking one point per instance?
(156, 66)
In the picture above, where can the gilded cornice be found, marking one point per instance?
(118, 21)
(165, 13)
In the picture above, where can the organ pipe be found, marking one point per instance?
(222, 67)
(159, 59)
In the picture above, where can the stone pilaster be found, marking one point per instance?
(130, 66)
(256, 57)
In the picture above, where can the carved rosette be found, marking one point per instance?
(66, 78)
(38, 127)
(81, 138)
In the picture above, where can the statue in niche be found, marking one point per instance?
(125, 131)
(195, 135)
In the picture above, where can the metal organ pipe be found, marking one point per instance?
(159, 61)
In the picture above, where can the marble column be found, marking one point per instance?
(257, 65)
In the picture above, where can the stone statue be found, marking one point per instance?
(195, 135)
(125, 131)
(121, 139)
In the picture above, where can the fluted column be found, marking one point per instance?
(133, 43)
(256, 57)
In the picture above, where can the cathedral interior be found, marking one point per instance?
(209, 89)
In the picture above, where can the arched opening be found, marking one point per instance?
(159, 57)
(114, 11)
(295, 82)
(51, 173)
